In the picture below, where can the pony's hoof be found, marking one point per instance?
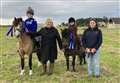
(43, 73)
(22, 72)
(30, 72)
(80, 63)
(84, 62)
(73, 70)
(50, 73)
(67, 70)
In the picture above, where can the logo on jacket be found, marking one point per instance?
(29, 22)
(96, 32)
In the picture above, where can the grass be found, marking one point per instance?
(109, 61)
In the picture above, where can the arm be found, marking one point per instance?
(59, 39)
(84, 39)
(25, 26)
(99, 40)
(34, 34)
(34, 26)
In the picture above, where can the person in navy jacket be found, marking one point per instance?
(30, 23)
(92, 40)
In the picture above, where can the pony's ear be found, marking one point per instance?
(15, 18)
(21, 19)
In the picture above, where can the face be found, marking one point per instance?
(49, 24)
(29, 15)
(72, 23)
(92, 24)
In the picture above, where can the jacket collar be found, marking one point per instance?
(89, 28)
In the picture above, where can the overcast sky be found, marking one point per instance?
(59, 10)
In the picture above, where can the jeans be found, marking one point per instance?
(93, 63)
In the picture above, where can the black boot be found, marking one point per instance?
(51, 67)
(44, 69)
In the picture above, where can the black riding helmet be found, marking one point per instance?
(71, 19)
(30, 11)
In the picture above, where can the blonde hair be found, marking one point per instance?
(49, 20)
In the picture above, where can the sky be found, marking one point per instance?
(58, 10)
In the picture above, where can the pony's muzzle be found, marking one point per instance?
(17, 33)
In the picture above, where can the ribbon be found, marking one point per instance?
(71, 45)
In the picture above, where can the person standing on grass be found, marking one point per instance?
(92, 40)
(49, 38)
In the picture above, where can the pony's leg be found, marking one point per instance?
(21, 53)
(39, 58)
(80, 58)
(84, 58)
(22, 65)
(73, 62)
(67, 62)
(30, 64)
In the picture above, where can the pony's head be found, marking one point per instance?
(18, 26)
(65, 38)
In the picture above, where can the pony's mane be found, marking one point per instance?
(65, 33)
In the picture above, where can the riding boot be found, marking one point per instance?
(44, 69)
(51, 67)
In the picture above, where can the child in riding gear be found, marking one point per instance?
(72, 33)
(30, 22)
(30, 26)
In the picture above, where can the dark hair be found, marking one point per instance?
(72, 28)
(71, 19)
(92, 19)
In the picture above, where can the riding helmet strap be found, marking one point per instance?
(71, 44)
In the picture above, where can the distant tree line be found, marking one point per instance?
(84, 21)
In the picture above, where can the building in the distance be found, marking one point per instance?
(114, 23)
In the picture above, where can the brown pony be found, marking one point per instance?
(78, 51)
(24, 44)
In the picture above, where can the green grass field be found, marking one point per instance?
(109, 61)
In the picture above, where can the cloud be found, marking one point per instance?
(60, 10)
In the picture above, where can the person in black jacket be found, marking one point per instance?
(49, 35)
(92, 40)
